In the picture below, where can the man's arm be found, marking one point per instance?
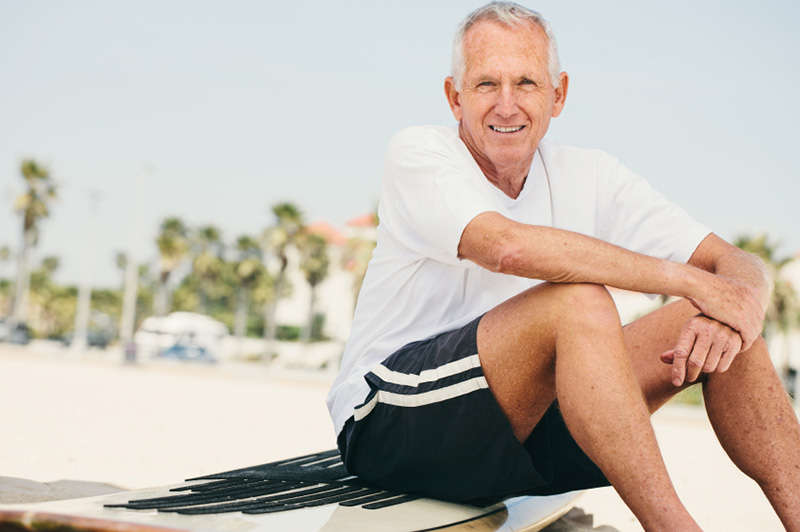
(706, 345)
(721, 258)
(502, 245)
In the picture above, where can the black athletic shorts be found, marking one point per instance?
(431, 426)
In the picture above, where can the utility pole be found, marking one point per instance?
(128, 318)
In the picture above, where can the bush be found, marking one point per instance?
(288, 333)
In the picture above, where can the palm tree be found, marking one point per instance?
(46, 295)
(277, 239)
(783, 312)
(207, 263)
(173, 245)
(248, 270)
(33, 205)
(314, 264)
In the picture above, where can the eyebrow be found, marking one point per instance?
(523, 77)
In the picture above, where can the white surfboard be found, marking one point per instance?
(305, 494)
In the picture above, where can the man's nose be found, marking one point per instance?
(507, 102)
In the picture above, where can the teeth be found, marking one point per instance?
(506, 129)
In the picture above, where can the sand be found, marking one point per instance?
(80, 424)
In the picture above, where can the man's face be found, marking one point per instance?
(506, 98)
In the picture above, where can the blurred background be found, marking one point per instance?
(198, 180)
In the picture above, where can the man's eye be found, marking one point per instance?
(527, 82)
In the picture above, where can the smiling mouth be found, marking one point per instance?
(512, 129)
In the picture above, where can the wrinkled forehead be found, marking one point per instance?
(492, 45)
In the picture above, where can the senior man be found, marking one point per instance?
(487, 358)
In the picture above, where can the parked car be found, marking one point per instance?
(14, 332)
(94, 338)
(185, 348)
(157, 334)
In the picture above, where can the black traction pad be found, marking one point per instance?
(303, 482)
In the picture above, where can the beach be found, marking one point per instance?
(86, 423)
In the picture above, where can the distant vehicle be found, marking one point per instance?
(185, 348)
(94, 338)
(173, 335)
(14, 332)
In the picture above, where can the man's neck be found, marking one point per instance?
(510, 180)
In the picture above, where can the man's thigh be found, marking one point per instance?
(646, 339)
(518, 342)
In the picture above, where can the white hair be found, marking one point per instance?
(511, 15)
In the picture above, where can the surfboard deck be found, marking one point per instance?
(311, 493)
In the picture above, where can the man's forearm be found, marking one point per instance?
(750, 270)
(723, 259)
(562, 256)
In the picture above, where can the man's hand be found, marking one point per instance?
(734, 304)
(739, 291)
(704, 346)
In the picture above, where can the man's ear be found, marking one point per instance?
(561, 94)
(452, 97)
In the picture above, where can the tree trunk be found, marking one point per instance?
(270, 325)
(161, 304)
(130, 292)
(23, 278)
(240, 327)
(312, 306)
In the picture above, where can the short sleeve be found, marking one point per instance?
(431, 192)
(633, 215)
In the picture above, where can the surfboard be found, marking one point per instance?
(311, 493)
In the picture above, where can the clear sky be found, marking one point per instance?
(237, 105)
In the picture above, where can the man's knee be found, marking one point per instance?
(589, 304)
(586, 292)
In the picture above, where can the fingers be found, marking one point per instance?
(749, 336)
(700, 357)
(704, 346)
(733, 348)
(681, 352)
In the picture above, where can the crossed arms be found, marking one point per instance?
(729, 287)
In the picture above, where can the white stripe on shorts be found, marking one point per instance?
(429, 375)
(421, 399)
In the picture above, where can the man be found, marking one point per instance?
(487, 357)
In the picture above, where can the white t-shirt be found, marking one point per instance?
(417, 287)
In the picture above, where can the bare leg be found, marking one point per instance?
(755, 423)
(566, 341)
(746, 405)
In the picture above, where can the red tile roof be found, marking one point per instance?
(368, 219)
(328, 232)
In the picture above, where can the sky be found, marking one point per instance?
(217, 110)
